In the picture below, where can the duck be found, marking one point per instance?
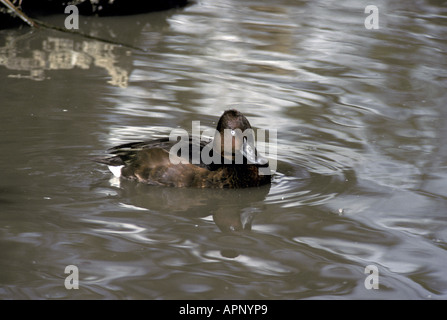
(229, 160)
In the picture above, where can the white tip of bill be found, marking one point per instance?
(116, 170)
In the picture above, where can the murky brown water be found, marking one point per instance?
(362, 165)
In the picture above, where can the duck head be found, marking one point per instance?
(235, 141)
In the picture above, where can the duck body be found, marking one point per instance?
(155, 163)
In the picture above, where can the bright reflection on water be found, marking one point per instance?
(361, 178)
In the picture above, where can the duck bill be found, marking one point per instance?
(251, 154)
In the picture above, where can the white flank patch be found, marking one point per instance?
(116, 170)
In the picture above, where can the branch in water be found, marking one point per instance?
(36, 24)
(19, 13)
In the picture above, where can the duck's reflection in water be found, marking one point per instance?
(232, 210)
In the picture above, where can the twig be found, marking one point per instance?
(19, 13)
(49, 26)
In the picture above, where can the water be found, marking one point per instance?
(362, 171)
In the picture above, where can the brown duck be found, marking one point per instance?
(230, 160)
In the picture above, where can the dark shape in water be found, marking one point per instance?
(35, 8)
(151, 162)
